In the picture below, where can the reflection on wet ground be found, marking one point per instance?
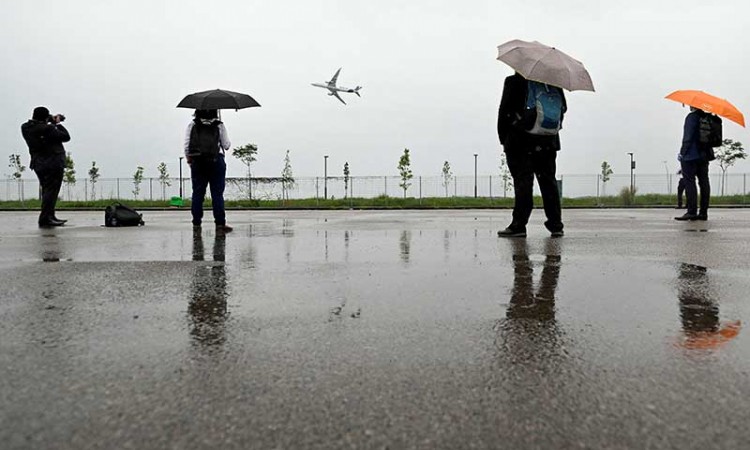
(699, 310)
(376, 330)
(530, 316)
(207, 306)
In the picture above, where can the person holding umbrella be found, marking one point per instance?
(702, 132)
(694, 158)
(206, 142)
(530, 116)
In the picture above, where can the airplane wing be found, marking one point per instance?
(332, 83)
(336, 94)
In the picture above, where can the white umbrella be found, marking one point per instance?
(539, 62)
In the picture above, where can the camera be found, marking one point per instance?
(56, 118)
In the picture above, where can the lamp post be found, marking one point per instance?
(181, 176)
(669, 184)
(632, 167)
(475, 175)
(325, 177)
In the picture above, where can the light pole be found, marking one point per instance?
(325, 177)
(475, 175)
(632, 167)
(181, 176)
(669, 184)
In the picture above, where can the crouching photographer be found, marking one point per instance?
(45, 135)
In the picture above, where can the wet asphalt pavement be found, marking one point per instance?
(376, 330)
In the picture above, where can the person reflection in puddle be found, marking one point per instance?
(524, 303)
(208, 297)
(699, 311)
(404, 244)
(50, 246)
(530, 330)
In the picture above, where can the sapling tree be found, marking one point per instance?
(246, 154)
(18, 170)
(69, 173)
(404, 170)
(137, 180)
(93, 178)
(728, 154)
(163, 179)
(447, 176)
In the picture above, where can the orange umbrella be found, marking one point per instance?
(708, 103)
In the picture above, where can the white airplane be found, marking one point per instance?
(334, 90)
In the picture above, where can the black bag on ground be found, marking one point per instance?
(119, 215)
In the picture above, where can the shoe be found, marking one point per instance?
(50, 223)
(558, 233)
(60, 220)
(224, 228)
(702, 217)
(511, 232)
(687, 216)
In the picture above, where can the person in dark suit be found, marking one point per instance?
(45, 135)
(528, 155)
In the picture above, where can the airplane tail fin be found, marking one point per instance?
(356, 91)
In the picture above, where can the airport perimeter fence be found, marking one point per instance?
(369, 187)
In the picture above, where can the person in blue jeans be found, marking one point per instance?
(694, 159)
(206, 142)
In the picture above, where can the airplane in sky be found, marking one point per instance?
(334, 90)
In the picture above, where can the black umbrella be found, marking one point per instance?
(218, 99)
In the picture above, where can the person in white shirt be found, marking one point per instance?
(206, 142)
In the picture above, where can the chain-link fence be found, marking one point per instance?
(573, 186)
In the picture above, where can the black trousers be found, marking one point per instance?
(690, 171)
(50, 180)
(523, 166)
(680, 191)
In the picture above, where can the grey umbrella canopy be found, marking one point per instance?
(539, 62)
(217, 99)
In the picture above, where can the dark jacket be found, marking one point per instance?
(45, 142)
(512, 106)
(692, 149)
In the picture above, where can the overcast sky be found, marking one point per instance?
(431, 82)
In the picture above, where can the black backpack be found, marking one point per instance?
(709, 130)
(204, 139)
(119, 215)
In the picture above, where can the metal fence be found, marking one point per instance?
(573, 186)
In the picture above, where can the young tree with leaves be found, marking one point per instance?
(606, 174)
(137, 180)
(69, 173)
(447, 176)
(287, 177)
(404, 170)
(346, 179)
(246, 154)
(505, 176)
(18, 170)
(93, 178)
(728, 154)
(163, 179)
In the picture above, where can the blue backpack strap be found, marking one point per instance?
(531, 94)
